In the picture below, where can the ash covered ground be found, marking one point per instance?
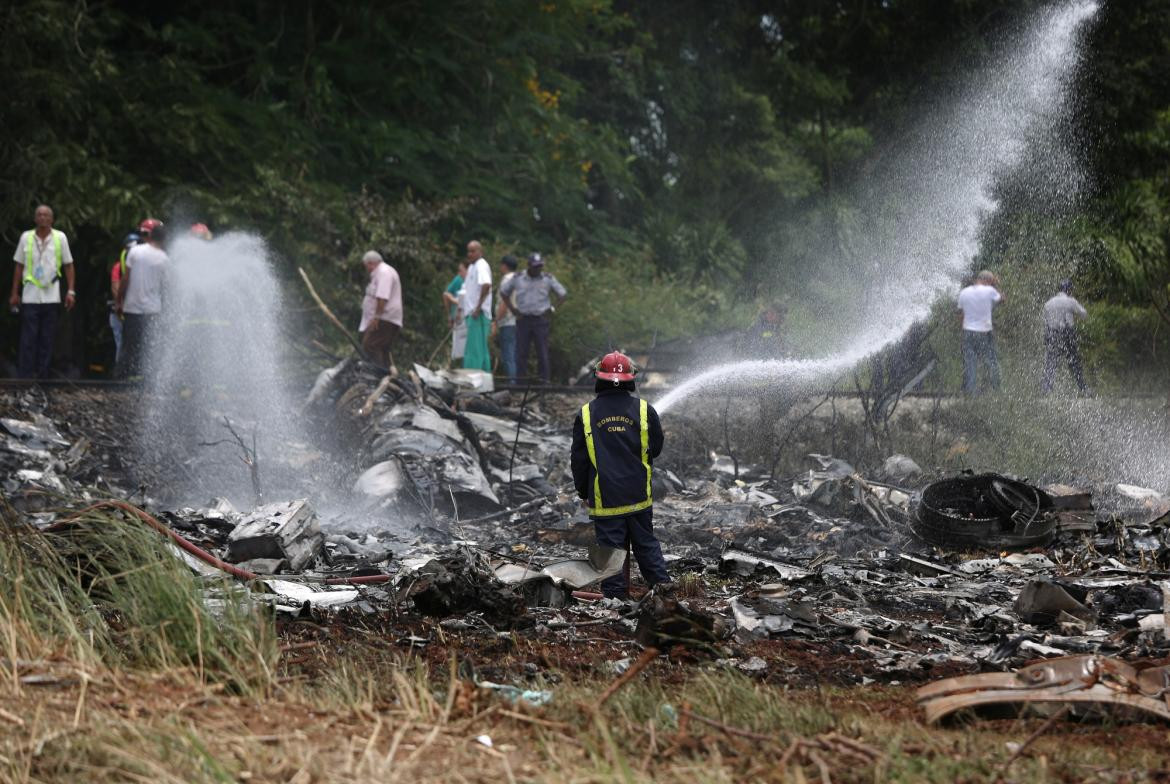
(437, 519)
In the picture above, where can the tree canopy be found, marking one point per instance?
(695, 147)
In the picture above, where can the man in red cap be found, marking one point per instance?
(140, 297)
(616, 437)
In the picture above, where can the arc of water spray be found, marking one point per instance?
(949, 193)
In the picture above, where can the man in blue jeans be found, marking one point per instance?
(616, 437)
(976, 303)
(504, 325)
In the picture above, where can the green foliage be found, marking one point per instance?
(1135, 260)
(608, 307)
(723, 145)
(1127, 348)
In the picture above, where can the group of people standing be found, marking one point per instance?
(43, 260)
(520, 322)
(1061, 346)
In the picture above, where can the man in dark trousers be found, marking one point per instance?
(42, 258)
(140, 297)
(1060, 336)
(615, 439)
(529, 296)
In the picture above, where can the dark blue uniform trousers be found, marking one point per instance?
(38, 328)
(636, 530)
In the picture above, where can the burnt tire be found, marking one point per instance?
(984, 512)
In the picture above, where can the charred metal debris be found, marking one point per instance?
(458, 513)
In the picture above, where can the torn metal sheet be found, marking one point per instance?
(1029, 562)
(602, 562)
(44, 479)
(505, 429)
(369, 549)
(749, 565)
(833, 467)
(463, 474)
(398, 416)
(1067, 680)
(518, 473)
(200, 567)
(325, 385)
(751, 623)
(319, 596)
(752, 495)
(477, 381)
(17, 447)
(38, 433)
(386, 479)
(916, 565)
(263, 565)
(1042, 602)
(426, 418)
(286, 530)
(420, 443)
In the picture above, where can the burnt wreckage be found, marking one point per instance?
(458, 513)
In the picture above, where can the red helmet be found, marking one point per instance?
(148, 225)
(201, 231)
(616, 366)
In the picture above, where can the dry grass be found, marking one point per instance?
(391, 720)
(100, 684)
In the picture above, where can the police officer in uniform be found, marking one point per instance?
(616, 437)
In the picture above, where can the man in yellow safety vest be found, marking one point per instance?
(42, 256)
(616, 437)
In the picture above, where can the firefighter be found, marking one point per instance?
(616, 437)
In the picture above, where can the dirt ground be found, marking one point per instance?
(389, 695)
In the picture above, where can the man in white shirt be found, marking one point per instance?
(381, 309)
(1060, 335)
(42, 256)
(477, 309)
(140, 296)
(976, 303)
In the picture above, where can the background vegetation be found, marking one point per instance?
(678, 161)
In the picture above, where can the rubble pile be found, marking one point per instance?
(459, 518)
(426, 448)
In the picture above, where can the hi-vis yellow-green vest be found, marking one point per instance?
(29, 276)
(623, 487)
